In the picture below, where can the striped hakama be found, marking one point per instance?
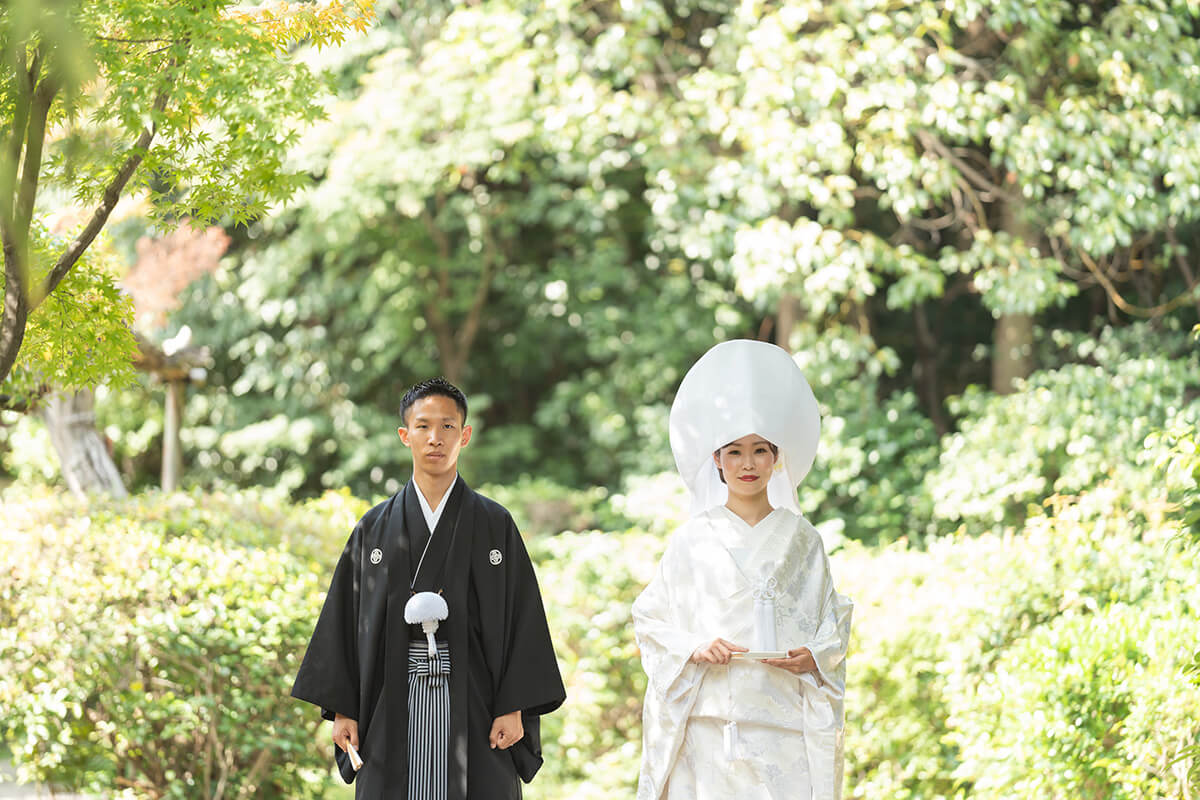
(428, 720)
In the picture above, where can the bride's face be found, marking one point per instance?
(746, 464)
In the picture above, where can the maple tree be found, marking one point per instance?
(193, 103)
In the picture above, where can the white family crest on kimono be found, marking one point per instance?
(705, 587)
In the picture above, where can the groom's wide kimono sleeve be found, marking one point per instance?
(514, 668)
(340, 670)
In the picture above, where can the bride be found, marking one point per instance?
(742, 635)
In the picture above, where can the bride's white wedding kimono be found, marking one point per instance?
(786, 736)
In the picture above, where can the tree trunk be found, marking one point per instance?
(785, 320)
(15, 315)
(1012, 353)
(926, 370)
(82, 452)
(1013, 356)
(172, 457)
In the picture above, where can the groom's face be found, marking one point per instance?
(435, 432)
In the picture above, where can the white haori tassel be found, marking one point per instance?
(428, 609)
(764, 609)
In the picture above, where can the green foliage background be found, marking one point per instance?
(1050, 660)
(560, 206)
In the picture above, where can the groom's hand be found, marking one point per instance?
(506, 731)
(345, 731)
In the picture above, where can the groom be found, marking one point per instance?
(421, 736)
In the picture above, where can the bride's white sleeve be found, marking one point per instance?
(825, 690)
(666, 644)
(663, 632)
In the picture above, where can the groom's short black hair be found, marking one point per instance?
(433, 386)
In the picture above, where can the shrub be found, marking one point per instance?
(934, 627)
(970, 657)
(1087, 707)
(1067, 430)
(588, 582)
(147, 661)
(162, 633)
(876, 446)
(541, 507)
(1178, 463)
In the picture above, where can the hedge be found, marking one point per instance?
(149, 644)
(144, 660)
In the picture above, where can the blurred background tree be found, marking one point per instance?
(561, 206)
(188, 105)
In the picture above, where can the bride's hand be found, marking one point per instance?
(718, 651)
(799, 661)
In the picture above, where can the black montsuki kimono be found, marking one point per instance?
(501, 656)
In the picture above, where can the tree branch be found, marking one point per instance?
(436, 234)
(1181, 262)
(1120, 302)
(21, 405)
(980, 212)
(112, 194)
(927, 370)
(467, 333)
(444, 337)
(249, 782)
(936, 145)
(23, 78)
(35, 139)
(935, 225)
(123, 40)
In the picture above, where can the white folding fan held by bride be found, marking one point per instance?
(428, 609)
